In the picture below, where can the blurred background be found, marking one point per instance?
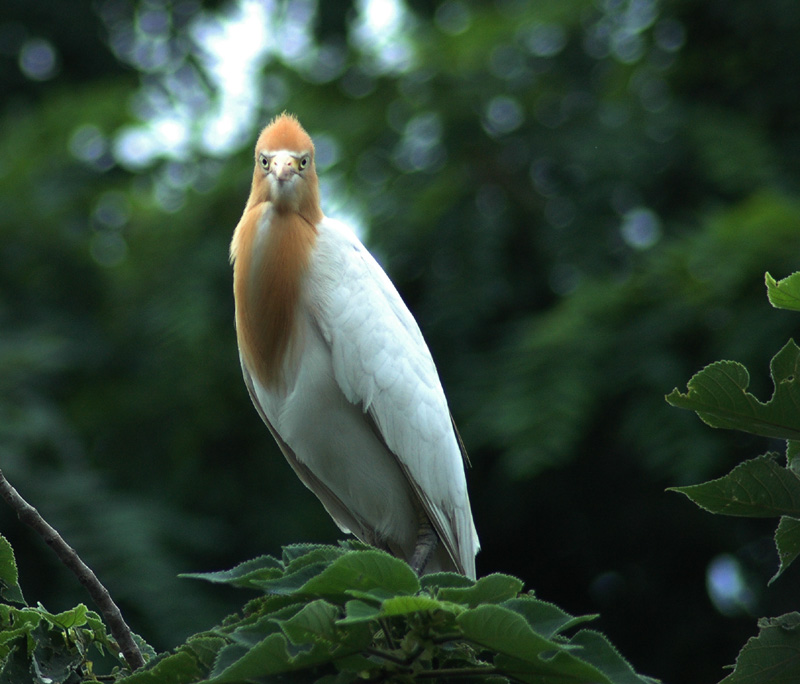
(577, 199)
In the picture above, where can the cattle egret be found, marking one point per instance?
(338, 370)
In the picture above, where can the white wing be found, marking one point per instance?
(382, 364)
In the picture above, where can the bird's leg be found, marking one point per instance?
(426, 543)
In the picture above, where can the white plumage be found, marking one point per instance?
(354, 399)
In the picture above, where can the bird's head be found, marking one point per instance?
(285, 173)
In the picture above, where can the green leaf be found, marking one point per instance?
(177, 668)
(376, 595)
(405, 605)
(787, 541)
(248, 634)
(205, 648)
(315, 621)
(758, 488)
(293, 582)
(269, 657)
(9, 578)
(546, 619)
(494, 588)
(792, 451)
(598, 651)
(363, 571)
(359, 611)
(24, 619)
(719, 396)
(244, 574)
(524, 654)
(16, 667)
(352, 639)
(295, 560)
(53, 658)
(443, 580)
(784, 294)
(772, 657)
(319, 621)
(97, 628)
(505, 631)
(75, 617)
(588, 657)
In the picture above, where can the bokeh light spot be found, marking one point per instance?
(670, 35)
(420, 148)
(627, 47)
(326, 150)
(113, 209)
(38, 59)
(546, 40)
(506, 62)
(727, 586)
(503, 115)
(379, 32)
(542, 177)
(154, 21)
(641, 228)
(87, 143)
(453, 17)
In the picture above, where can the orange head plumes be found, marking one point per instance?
(272, 244)
(285, 173)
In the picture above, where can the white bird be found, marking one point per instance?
(338, 370)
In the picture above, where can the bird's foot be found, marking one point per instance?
(426, 544)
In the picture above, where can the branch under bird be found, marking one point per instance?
(338, 369)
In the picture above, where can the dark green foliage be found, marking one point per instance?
(330, 614)
(350, 613)
(771, 657)
(719, 395)
(44, 648)
(760, 487)
(764, 487)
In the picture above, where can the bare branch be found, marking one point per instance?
(113, 617)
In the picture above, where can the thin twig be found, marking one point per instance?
(384, 623)
(401, 662)
(383, 655)
(447, 638)
(67, 555)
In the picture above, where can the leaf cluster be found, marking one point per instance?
(352, 613)
(762, 487)
(46, 648)
(335, 615)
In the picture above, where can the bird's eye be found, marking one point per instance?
(264, 161)
(304, 162)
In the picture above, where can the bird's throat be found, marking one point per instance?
(272, 252)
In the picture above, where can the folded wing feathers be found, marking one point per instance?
(381, 362)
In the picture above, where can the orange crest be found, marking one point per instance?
(284, 132)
